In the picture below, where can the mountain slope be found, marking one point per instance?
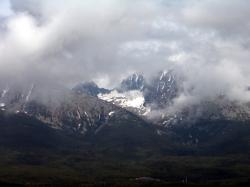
(63, 109)
(79, 140)
(89, 88)
(21, 132)
(139, 95)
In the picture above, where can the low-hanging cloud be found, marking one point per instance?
(206, 42)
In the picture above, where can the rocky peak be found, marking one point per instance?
(162, 89)
(89, 88)
(133, 82)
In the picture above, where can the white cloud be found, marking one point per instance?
(206, 42)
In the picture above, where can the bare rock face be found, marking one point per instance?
(62, 109)
(133, 82)
(162, 89)
(89, 88)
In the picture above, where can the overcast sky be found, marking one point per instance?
(205, 41)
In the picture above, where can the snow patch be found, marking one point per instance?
(160, 132)
(147, 111)
(29, 93)
(164, 73)
(2, 105)
(169, 79)
(111, 113)
(5, 91)
(86, 114)
(132, 98)
(78, 114)
(79, 125)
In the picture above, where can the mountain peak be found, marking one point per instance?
(89, 88)
(161, 89)
(133, 82)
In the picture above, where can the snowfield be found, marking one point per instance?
(133, 99)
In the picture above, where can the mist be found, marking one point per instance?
(64, 42)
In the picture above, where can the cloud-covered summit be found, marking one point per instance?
(205, 42)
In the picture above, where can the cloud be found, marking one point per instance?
(71, 41)
(205, 42)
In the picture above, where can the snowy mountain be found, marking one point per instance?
(218, 109)
(63, 109)
(133, 82)
(119, 119)
(161, 89)
(140, 96)
(88, 108)
(150, 99)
